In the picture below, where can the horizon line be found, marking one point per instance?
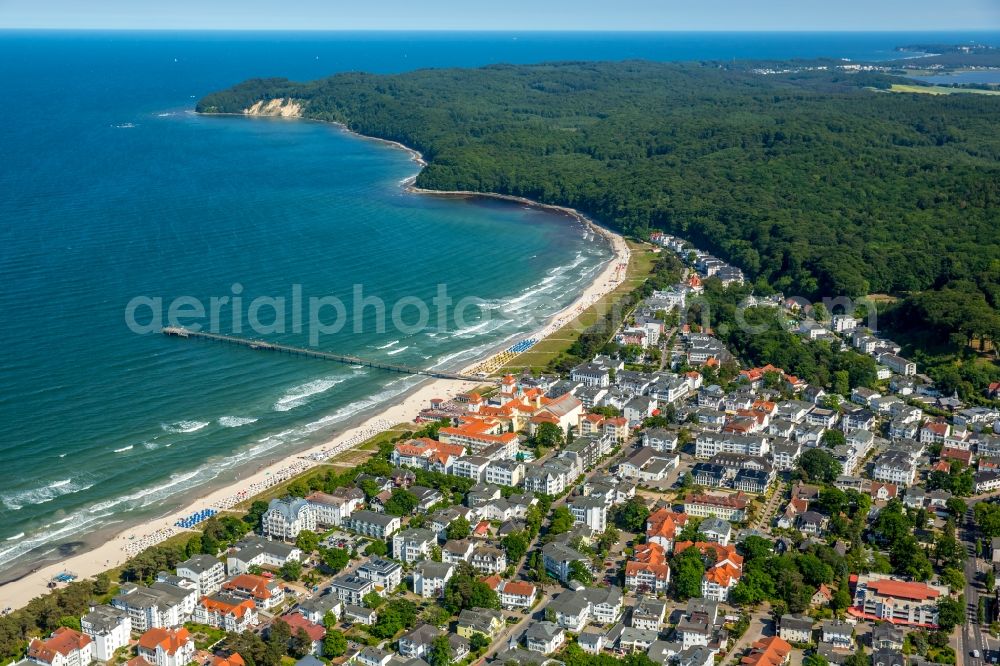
(505, 30)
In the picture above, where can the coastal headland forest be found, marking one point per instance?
(812, 178)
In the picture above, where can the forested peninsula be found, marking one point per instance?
(815, 181)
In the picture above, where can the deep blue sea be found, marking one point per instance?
(111, 189)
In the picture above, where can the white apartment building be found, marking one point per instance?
(205, 571)
(591, 511)
(284, 519)
(110, 628)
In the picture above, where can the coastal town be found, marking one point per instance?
(662, 503)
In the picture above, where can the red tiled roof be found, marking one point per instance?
(296, 621)
(737, 501)
(723, 574)
(519, 588)
(257, 586)
(957, 454)
(238, 610)
(799, 504)
(62, 641)
(232, 660)
(770, 651)
(664, 523)
(650, 553)
(169, 640)
(890, 488)
(903, 590)
(661, 571)
(493, 581)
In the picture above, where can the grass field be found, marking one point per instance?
(640, 266)
(938, 90)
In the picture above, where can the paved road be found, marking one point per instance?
(973, 635)
(760, 625)
(763, 522)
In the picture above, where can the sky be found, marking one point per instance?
(734, 15)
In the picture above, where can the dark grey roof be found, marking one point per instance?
(358, 611)
(796, 622)
(254, 545)
(104, 618)
(422, 635)
(366, 516)
(380, 566)
(432, 569)
(543, 631)
(320, 605)
(199, 563)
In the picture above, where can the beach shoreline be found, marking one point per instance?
(404, 408)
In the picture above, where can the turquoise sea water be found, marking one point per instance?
(112, 189)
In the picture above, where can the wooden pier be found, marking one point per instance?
(262, 345)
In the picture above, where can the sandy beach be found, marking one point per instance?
(128, 543)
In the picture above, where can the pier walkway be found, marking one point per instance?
(261, 345)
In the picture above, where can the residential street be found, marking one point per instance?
(973, 635)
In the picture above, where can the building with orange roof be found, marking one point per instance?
(597, 425)
(883, 492)
(795, 508)
(769, 651)
(934, 432)
(822, 596)
(882, 597)
(493, 581)
(794, 384)
(755, 376)
(650, 553)
(315, 632)
(478, 434)
(963, 456)
(167, 647)
(721, 576)
(663, 525)
(726, 507)
(233, 659)
(427, 453)
(65, 647)
(226, 611)
(517, 594)
(264, 592)
(647, 576)
(137, 661)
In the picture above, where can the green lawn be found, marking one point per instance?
(939, 90)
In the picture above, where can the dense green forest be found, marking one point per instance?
(816, 183)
